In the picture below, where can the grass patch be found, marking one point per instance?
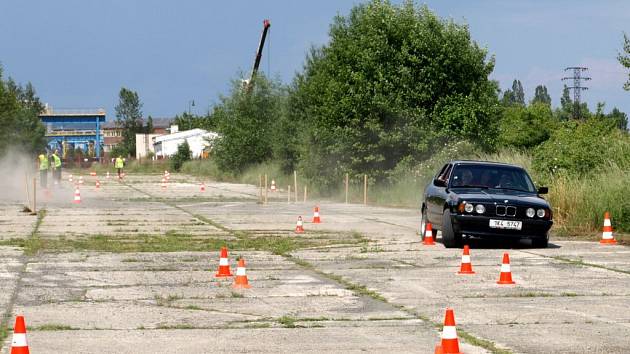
(236, 294)
(177, 326)
(287, 321)
(53, 327)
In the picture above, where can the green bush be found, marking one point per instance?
(583, 148)
(182, 155)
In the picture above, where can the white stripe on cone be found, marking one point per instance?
(19, 340)
(240, 271)
(466, 258)
(449, 332)
(607, 222)
(505, 268)
(223, 262)
(607, 235)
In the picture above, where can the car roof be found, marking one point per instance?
(480, 162)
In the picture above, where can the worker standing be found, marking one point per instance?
(119, 166)
(43, 169)
(56, 167)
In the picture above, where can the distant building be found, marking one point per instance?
(113, 134)
(144, 145)
(199, 141)
(73, 129)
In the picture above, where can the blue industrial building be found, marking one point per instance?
(72, 129)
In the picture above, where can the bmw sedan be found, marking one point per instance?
(479, 199)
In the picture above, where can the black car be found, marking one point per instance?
(485, 200)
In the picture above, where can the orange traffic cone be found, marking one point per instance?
(107, 175)
(77, 195)
(203, 187)
(466, 267)
(224, 264)
(98, 184)
(18, 342)
(607, 232)
(93, 173)
(80, 179)
(506, 273)
(70, 178)
(428, 235)
(241, 277)
(316, 219)
(450, 343)
(273, 185)
(167, 175)
(163, 182)
(299, 228)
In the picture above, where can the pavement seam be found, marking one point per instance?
(578, 262)
(24, 259)
(362, 290)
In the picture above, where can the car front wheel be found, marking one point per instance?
(541, 242)
(449, 238)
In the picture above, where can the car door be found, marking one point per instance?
(436, 196)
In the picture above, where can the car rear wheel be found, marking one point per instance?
(449, 238)
(541, 242)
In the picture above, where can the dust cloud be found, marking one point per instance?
(16, 177)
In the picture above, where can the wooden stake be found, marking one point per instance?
(265, 189)
(346, 188)
(34, 195)
(305, 191)
(289, 194)
(295, 185)
(365, 189)
(260, 190)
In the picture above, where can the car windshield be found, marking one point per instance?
(491, 176)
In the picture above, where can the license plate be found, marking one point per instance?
(506, 224)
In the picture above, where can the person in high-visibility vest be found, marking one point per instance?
(119, 166)
(56, 167)
(43, 170)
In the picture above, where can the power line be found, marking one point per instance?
(577, 87)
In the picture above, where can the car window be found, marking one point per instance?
(445, 173)
(491, 176)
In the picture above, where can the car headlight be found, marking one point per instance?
(480, 209)
(469, 208)
(540, 213)
(530, 212)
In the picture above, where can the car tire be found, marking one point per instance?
(541, 242)
(449, 238)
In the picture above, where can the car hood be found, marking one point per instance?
(500, 196)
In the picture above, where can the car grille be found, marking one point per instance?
(503, 210)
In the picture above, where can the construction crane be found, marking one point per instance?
(249, 83)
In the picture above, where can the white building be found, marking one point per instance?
(144, 145)
(198, 140)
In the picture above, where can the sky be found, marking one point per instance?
(79, 53)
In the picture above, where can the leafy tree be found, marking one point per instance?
(20, 125)
(526, 127)
(182, 155)
(247, 122)
(129, 118)
(393, 82)
(149, 127)
(624, 59)
(187, 121)
(515, 96)
(619, 118)
(541, 95)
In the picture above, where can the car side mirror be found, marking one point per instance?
(543, 190)
(439, 182)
